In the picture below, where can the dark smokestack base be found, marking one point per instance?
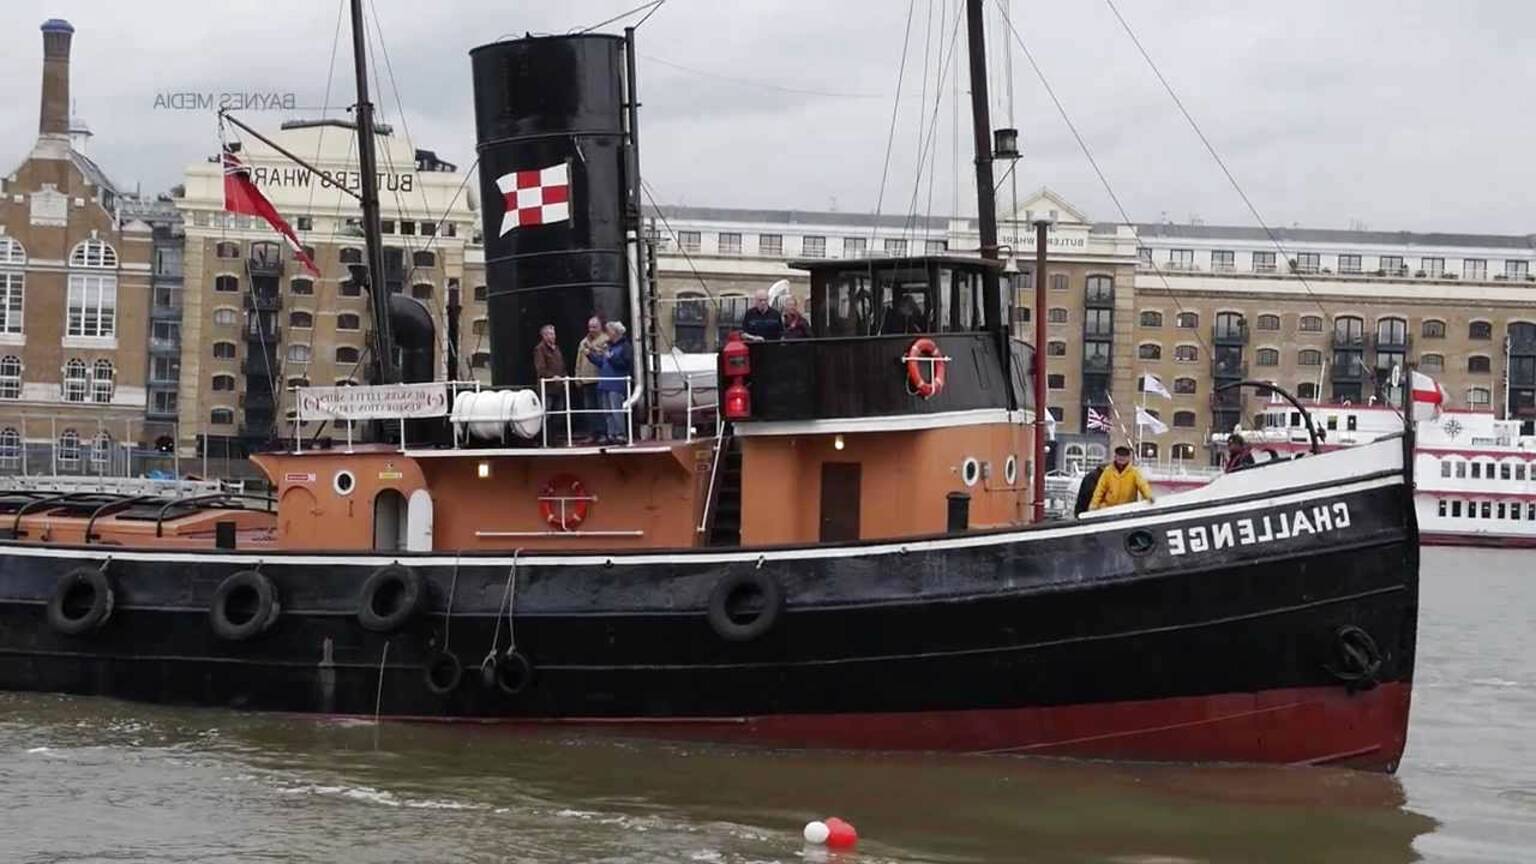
(53, 115)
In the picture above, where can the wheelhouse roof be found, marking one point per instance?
(895, 262)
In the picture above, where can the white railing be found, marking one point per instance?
(562, 386)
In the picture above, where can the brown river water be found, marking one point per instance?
(88, 780)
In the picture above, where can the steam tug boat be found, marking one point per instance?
(846, 552)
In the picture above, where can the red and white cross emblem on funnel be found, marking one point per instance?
(536, 197)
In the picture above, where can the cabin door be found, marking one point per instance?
(388, 521)
(418, 522)
(840, 501)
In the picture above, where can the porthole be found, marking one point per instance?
(344, 482)
(970, 471)
(1011, 470)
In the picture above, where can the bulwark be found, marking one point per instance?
(1266, 529)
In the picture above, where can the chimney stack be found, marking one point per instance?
(53, 119)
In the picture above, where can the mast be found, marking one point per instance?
(367, 163)
(986, 199)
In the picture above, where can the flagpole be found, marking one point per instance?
(367, 163)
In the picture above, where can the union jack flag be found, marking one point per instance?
(1098, 422)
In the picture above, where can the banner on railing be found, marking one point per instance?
(379, 402)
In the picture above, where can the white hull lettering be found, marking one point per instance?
(1266, 529)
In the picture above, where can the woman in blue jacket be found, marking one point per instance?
(614, 365)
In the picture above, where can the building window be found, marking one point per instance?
(1056, 315)
(69, 447)
(1309, 357)
(1479, 330)
(10, 447)
(1474, 268)
(92, 305)
(226, 250)
(1310, 324)
(689, 241)
(349, 288)
(813, 247)
(936, 247)
(1267, 357)
(895, 246)
(408, 227)
(1516, 269)
(1306, 390)
(424, 259)
(1263, 262)
(10, 377)
(304, 223)
(1187, 320)
(1267, 322)
(12, 253)
(1098, 322)
(481, 293)
(12, 288)
(300, 319)
(386, 226)
(298, 353)
(353, 321)
(770, 244)
(1308, 262)
(1184, 452)
(1392, 265)
(347, 354)
(302, 287)
(1186, 353)
(224, 350)
(1151, 319)
(103, 381)
(226, 284)
(1478, 364)
(1056, 382)
(1058, 281)
(1056, 348)
(1185, 386)
(1349, 264)
(164, 370)
(225, 316)
(1144, 256)
(1149, 351)
(1021, 315)
(730, 243)
(422, 290)
(1479, 397)
(75, 383)
(1433, 328)
(1099, 289)
(1184, 419)
(1181, 259)
(1223, 260)
(1434, 268)
(855, 247)
(221, 416)
(351, 255)
(224, 382)
(1149, 450)
(480, 360)
(1432, 362)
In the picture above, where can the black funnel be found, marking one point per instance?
(411, 322)
(549, 129)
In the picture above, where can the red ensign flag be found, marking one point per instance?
(242, 196)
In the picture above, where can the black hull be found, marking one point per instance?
(1040, 619)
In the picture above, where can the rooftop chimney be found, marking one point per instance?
(53, 119)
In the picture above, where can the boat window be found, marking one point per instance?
(848, 305)
(1500, 510)
(962, 289)
(1351, 423)
(1487, 510)
(1477, 470)
(1455, 509)
(1442, 507)
(904, 301)
(1295, 418)
(1504, 471)
(1333, 422)
(1530, 511)
(1445, 469)
(1520, 471)
(1461, 470)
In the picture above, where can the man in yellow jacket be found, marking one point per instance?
(1121, 483)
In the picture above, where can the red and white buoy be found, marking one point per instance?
(833, 833)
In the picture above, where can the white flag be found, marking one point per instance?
(1145, 418)
(1153, 385)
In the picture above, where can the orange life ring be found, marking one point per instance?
(563, 502)
(924, 352)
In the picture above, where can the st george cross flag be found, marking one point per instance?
(1145, 418)
(1428, 396)
(1154, 385)
(1097, 422)
(242, 196)
(537, 197)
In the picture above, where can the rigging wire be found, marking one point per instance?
(925, 150)
(1210, 148)
(653, 6)
(325, 107)
(890, 141)
(647, 16)
(922, 99)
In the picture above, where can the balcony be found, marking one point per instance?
(266, 259)
(269, 334)
(166, 312)
(1227, 334)
(1230, 399)
(1347, 371)
(1229, 369)
(1101, 298)
(170, 347)
(1348, 341)
(1095, 364)
(264, 301)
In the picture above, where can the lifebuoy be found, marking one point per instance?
(82, 601)
(244, 605)
(393, 595)
(925, 353)
(563, 502)
(444, 672)
(745, 605)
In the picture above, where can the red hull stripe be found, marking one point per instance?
(1310, 725)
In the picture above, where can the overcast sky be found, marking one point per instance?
(1399, 114)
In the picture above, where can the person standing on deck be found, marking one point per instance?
(762, 322)
(1086, 489)
(590, 423)
(795, 324)
(1239, 455)
(614, 365)
(1121, 483)
(549, 367)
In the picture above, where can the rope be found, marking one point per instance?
(506, 602)
(378, 698)
(890, 141)
(448, 611)
(653, 6)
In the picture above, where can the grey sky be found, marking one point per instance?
(1403, 115)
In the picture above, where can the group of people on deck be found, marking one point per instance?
(604, 360)
(763, 323)
(1120, 482)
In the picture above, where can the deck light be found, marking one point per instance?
(1005, 144)
(483, 470)
(837, 443)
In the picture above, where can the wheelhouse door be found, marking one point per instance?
(840, 483)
